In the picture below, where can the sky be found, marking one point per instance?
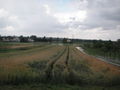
(82, 19)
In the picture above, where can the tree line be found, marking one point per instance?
(34, 38)
(108, 49)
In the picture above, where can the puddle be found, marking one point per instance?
(81, 49)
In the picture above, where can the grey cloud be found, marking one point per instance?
(101, 13)
(32, 17)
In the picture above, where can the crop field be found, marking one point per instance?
(45, 66)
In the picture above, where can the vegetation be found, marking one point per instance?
(55, 87)
(109, 50)
(47, 66)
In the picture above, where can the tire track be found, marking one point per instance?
(59, 70)
(67, 57)
(48, 71)
(64, 61)
(71, 76)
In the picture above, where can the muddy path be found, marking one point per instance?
(59, 64)
(59, 70)
(51, 63)
(67, 57)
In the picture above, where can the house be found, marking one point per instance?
(30, 40)
(11, 39)
(68, 41)
(15, 39)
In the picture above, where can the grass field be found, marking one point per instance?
(44, 66)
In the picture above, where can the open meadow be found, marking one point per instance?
(47, 66)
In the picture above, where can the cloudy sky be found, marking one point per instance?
(84, 19)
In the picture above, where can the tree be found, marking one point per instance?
(34, 37)
(64, 40)
(44, 39)
(118, 41)
(50, 39)
(0, 38)
(23, 39)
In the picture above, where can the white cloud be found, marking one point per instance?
(3, 13)
(48, 11)
(8, 21)
(9, 28)
(13, 18)
(90, 19)
(77, 16)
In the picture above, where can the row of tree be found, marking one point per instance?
(33, 38)
(110, 49)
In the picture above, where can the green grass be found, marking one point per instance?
(76, 75)
(115, 57)
(55, 87)
(26, 50)
(4, 46)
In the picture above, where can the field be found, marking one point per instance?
(45, 66)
